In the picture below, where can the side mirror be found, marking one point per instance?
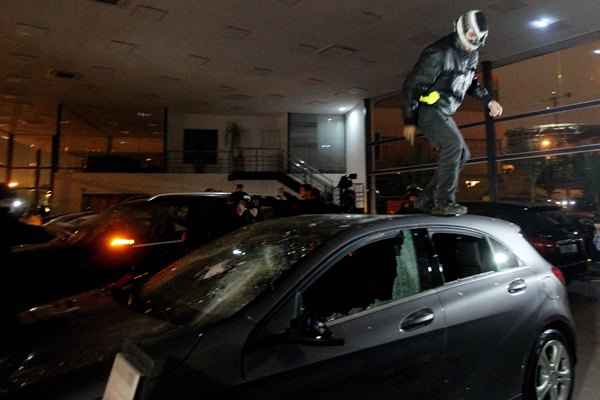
(311, 332)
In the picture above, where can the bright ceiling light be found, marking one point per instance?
(17, 203)
(542, 22)
(597, 52)
(546, 143)
(13, 184)
(343, 109)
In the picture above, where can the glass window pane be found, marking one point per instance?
(125, 145)
(389, 125)
(564, 77)
(26, 149)
(396, 193)
(462, 256)
(503, 257)
(396, 275)
(569, 129)
(3, 148)
(571, 181)
(319, 141)
(24, 178)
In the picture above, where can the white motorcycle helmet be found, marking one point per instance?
(472, 30)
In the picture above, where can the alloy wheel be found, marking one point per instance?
(554, 376)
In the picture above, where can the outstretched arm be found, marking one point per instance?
(477, 90)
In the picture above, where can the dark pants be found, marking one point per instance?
(442, 133)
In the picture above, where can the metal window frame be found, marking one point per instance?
(372, 173)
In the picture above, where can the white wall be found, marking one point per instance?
(356, 161)
(70, 186)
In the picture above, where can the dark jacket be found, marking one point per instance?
(448, 69)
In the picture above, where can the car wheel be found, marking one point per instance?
(550, 372)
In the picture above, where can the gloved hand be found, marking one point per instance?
(409, 133)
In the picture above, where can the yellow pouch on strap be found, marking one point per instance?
(431, 98)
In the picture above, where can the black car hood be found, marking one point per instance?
(76, 332)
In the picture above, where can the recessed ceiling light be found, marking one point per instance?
(147, 13)
(199, 60)
(29, 30)
(597, 52)
(342, 109)
(235, 32)
(543, 22)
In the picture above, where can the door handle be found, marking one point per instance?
(517, 286)
(418, 319)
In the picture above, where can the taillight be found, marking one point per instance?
(543, 245)
(559, 275)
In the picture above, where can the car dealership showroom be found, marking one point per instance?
(181, 180)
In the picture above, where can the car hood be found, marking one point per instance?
(74, 333)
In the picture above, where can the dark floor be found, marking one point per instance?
(585, 304)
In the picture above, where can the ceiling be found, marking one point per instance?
(236, 56)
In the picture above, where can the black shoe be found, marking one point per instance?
(450, 209)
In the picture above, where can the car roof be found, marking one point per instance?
(512, 206)
(188, 194)
(359, 223)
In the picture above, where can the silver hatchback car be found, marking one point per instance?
(335, 306)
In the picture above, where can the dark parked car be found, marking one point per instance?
(590, 223)
(70, 219)
(131, 238)
(559, 238)
(338, 307)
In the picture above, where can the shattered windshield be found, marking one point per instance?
(219, 279)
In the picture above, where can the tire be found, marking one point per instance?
(545, 379)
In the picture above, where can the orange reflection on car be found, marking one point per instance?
(120, 242)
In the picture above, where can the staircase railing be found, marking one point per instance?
(310, 175)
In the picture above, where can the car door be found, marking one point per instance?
(379, 297)
(489, 297)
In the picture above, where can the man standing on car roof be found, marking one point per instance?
(433, 91)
